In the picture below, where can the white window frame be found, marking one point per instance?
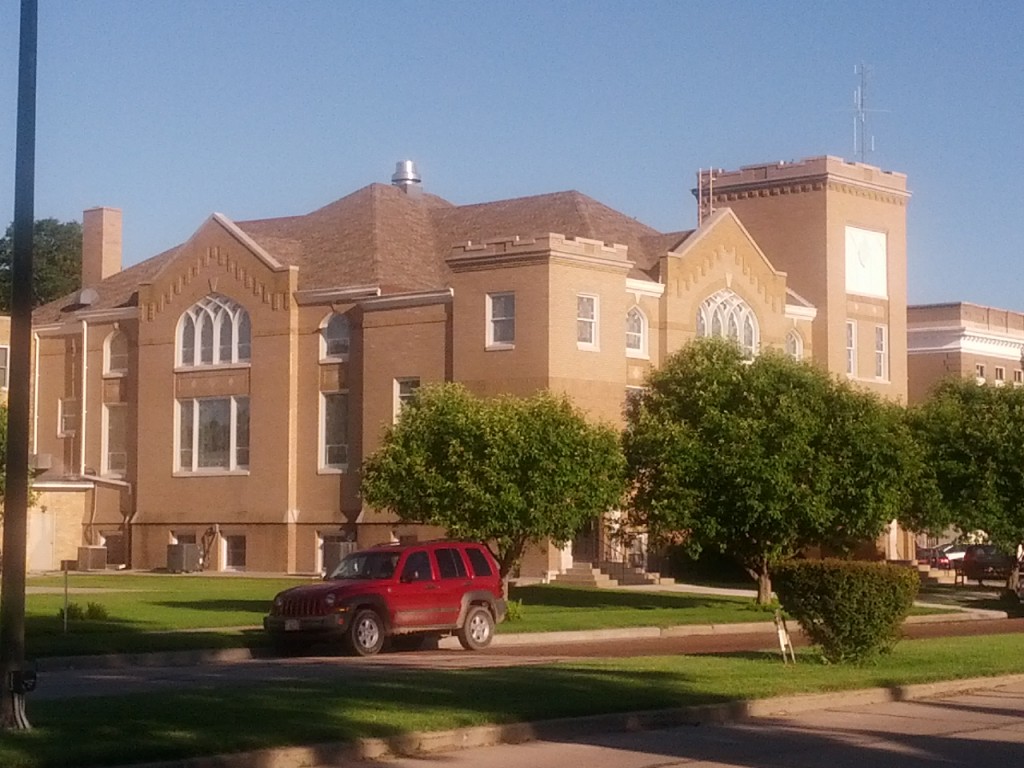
(587, 328)
(999, 373)
(337, 320)
(225, 548)
(641, 349)
(405, 389)
(5, 366)
(218, 313)
(1018, 376)
(107, 466)
(720, 311)
(235, 448)
(979, 372)
(109, 368)
(493, 343)
(851, 347)
(67, 416)
(324, 466)
(882, 352)
(794, 344)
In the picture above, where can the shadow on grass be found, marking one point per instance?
(581, 597)
(178, 724)
(219, 605)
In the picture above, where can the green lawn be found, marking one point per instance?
(161, 612)
(173, 725)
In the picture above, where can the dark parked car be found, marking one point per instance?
(406, 593)
(985, 561)
(948, 555)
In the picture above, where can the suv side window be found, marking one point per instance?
(449, 563)
(481, 567)
(417, 567)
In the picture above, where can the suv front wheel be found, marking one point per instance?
(477, 630)
(366, 634)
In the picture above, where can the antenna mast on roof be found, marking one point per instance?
(705, 203)
(861, 140)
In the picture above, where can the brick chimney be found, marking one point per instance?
(101, 244)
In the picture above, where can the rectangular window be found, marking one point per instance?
(334, 430)
(1018, 376)
(501, 320)
(234, 552)
(5, 375)
(851, 348)
(1000, 373)
(979, 370)
(115, 453)
(67, 416)
(881, 352)
(181, 537)
(586, 322)
(405, 390)
(213, 434)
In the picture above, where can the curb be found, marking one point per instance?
(431, 742)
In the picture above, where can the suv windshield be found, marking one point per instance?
(366, 565)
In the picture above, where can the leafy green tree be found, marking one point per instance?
(973, 439)
(762, 458)
(56, 261)
(511, 471)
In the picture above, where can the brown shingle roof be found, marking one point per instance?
(379, 235)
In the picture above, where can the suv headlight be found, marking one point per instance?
(330, 599)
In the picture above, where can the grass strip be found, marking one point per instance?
(174, 725)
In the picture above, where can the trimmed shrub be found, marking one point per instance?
(851, 610)
(514, 610)
(75, 612)
(97, 612)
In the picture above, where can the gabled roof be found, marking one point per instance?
(380, 235)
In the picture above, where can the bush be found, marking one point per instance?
(514, 610)
(97, 612)
(851, 610)
(75, 612)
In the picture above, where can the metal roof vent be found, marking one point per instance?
(406, 178)
(87, 297)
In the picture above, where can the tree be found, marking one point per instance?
(762, 458)
(56, 261)
(508, 470)
(973, 440)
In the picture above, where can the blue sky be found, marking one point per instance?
(173, 109)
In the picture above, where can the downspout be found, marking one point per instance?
(82, 410)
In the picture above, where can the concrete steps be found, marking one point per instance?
(936, 575)
(584, 575)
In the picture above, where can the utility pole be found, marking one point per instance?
(16, 680)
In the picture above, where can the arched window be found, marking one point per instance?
(214, 331)
(794, 345)
(335, 335)
(115, 356)
(729, 316)
(636, 333)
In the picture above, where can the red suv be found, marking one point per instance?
(405, 592)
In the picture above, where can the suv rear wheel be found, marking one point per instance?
(366, 634)
(477, 630)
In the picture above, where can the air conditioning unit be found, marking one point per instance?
(92, 558)
(183, 558)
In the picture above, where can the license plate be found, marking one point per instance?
(291, 625)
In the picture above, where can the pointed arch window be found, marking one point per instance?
(335, 337)
(636, 333)
(214, 331)
(794, 345)
(724, 314)
(115, 358)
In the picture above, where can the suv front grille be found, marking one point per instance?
(301, 606)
